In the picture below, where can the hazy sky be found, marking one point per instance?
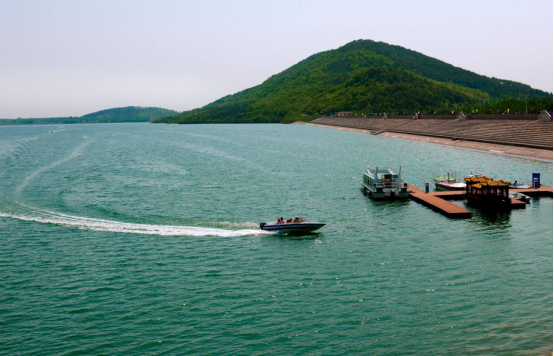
(70, 58)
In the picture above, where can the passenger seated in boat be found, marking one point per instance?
(289, 221)
(296, 219)
(280, 221)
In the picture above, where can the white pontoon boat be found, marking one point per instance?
(384, 184)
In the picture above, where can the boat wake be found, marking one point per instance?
(50, 217)
(74, 154)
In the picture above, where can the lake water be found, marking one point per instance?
(143, 239)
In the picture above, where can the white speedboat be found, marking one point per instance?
(299, 225)
(521, 197)
(383, 184)
(516, 185)
(448, 182)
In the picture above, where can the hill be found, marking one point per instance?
(362, 76)
(125, 114)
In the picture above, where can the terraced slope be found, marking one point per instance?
(523, 132)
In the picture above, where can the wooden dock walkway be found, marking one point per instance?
(542, 191)
(518, 204)
(437, 202)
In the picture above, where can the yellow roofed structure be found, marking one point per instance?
(475, 180)
(487, 191)
(482, 182)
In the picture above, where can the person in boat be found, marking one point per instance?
(296, 220)
(289, 221)
(515, 182)
(280, 221)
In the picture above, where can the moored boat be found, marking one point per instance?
(516, 185)
(381, 184)
(448, 182)
(521, 197)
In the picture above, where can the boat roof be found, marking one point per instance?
(380, 170)
(481, 182)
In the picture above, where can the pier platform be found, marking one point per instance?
(437, 200)
(518, 204)
(542, 191)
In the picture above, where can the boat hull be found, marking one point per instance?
(521, 197)
(450, 186)
(519, 186)
(385, 195)
(292, 227)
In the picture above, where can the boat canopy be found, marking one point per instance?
(485, 182)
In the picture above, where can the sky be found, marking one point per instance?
(71, 58)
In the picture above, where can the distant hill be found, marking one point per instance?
(362, 76)
(126, 114)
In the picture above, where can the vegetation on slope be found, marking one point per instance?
(126, 114)
(363, 76)
(509, 105)
(443, 72)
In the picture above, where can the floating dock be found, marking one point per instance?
(437, 202)
(542, 191)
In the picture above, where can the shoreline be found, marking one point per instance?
(522, 152)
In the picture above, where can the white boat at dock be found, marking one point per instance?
(382, 184)
(521, 197)
(516, 185)
(448, 182)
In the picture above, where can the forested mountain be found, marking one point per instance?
(129, 114)
(362, 76)
(126, 114)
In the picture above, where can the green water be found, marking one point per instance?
(143, 239)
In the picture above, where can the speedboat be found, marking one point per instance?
(384, 184)
(448, 182)
(516, 185)
(521, 197)
(298, 225)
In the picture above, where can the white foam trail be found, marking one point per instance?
(49, 217)
(74, 154)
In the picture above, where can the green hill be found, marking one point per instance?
(362, 76)
(126, 114)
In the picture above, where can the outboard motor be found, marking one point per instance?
(262, 225)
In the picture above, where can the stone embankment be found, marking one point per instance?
(512, 130)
